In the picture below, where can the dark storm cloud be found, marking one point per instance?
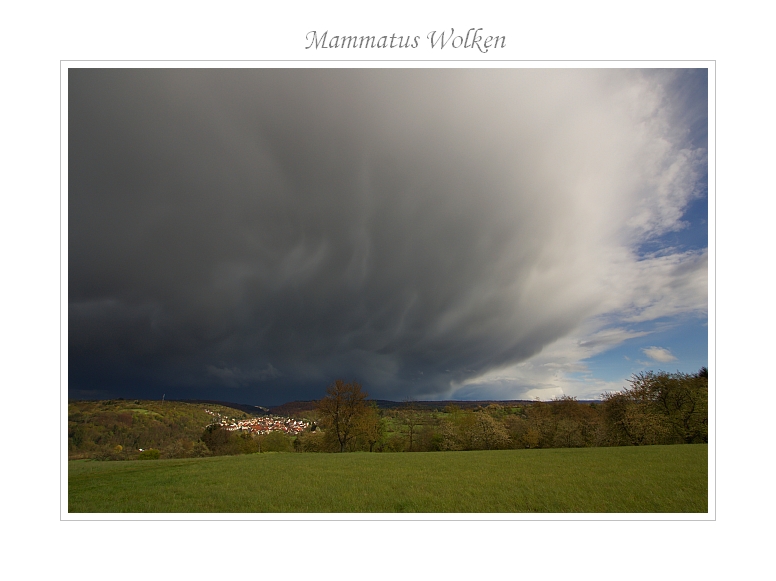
(272, 230)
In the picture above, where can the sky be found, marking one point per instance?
(251, 235)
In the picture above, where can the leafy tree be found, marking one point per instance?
(448, 434)
(342, 411)
(276, 442)
(659, 408)
(632, 420)
(223, 442)
(576, 424)
(542, 423)
(531, 438)
(395, 443)
(247, 443)
(681, 398)
(466, 431)
(490, 434)
(430, 437)
(371, 428)
(199, 450)
(178, 449)
(315, 441)
(568, 434)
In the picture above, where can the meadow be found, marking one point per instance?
(632, 479)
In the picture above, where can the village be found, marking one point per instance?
(261, 425)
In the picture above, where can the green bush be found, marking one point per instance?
(150, 454)
(276, 442)
(313, 442)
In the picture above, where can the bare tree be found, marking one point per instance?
(342, 411)
(411, 418)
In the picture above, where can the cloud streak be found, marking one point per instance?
(659, 354)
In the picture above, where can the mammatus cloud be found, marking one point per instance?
(659, 354)
(424, 231)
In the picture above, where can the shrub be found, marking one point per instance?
(276, 442)
(150, 454)
(200, 450)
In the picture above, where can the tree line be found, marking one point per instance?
(656, 408)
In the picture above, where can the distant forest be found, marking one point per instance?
(656, 408)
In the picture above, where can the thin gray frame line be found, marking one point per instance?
(381, 60)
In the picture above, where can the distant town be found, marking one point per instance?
(261, 425)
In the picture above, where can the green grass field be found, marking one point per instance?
(583, 480)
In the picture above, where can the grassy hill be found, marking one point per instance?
(117, 429)
(642, 479)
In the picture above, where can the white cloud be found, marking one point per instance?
(659, 354)
(660, 286)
